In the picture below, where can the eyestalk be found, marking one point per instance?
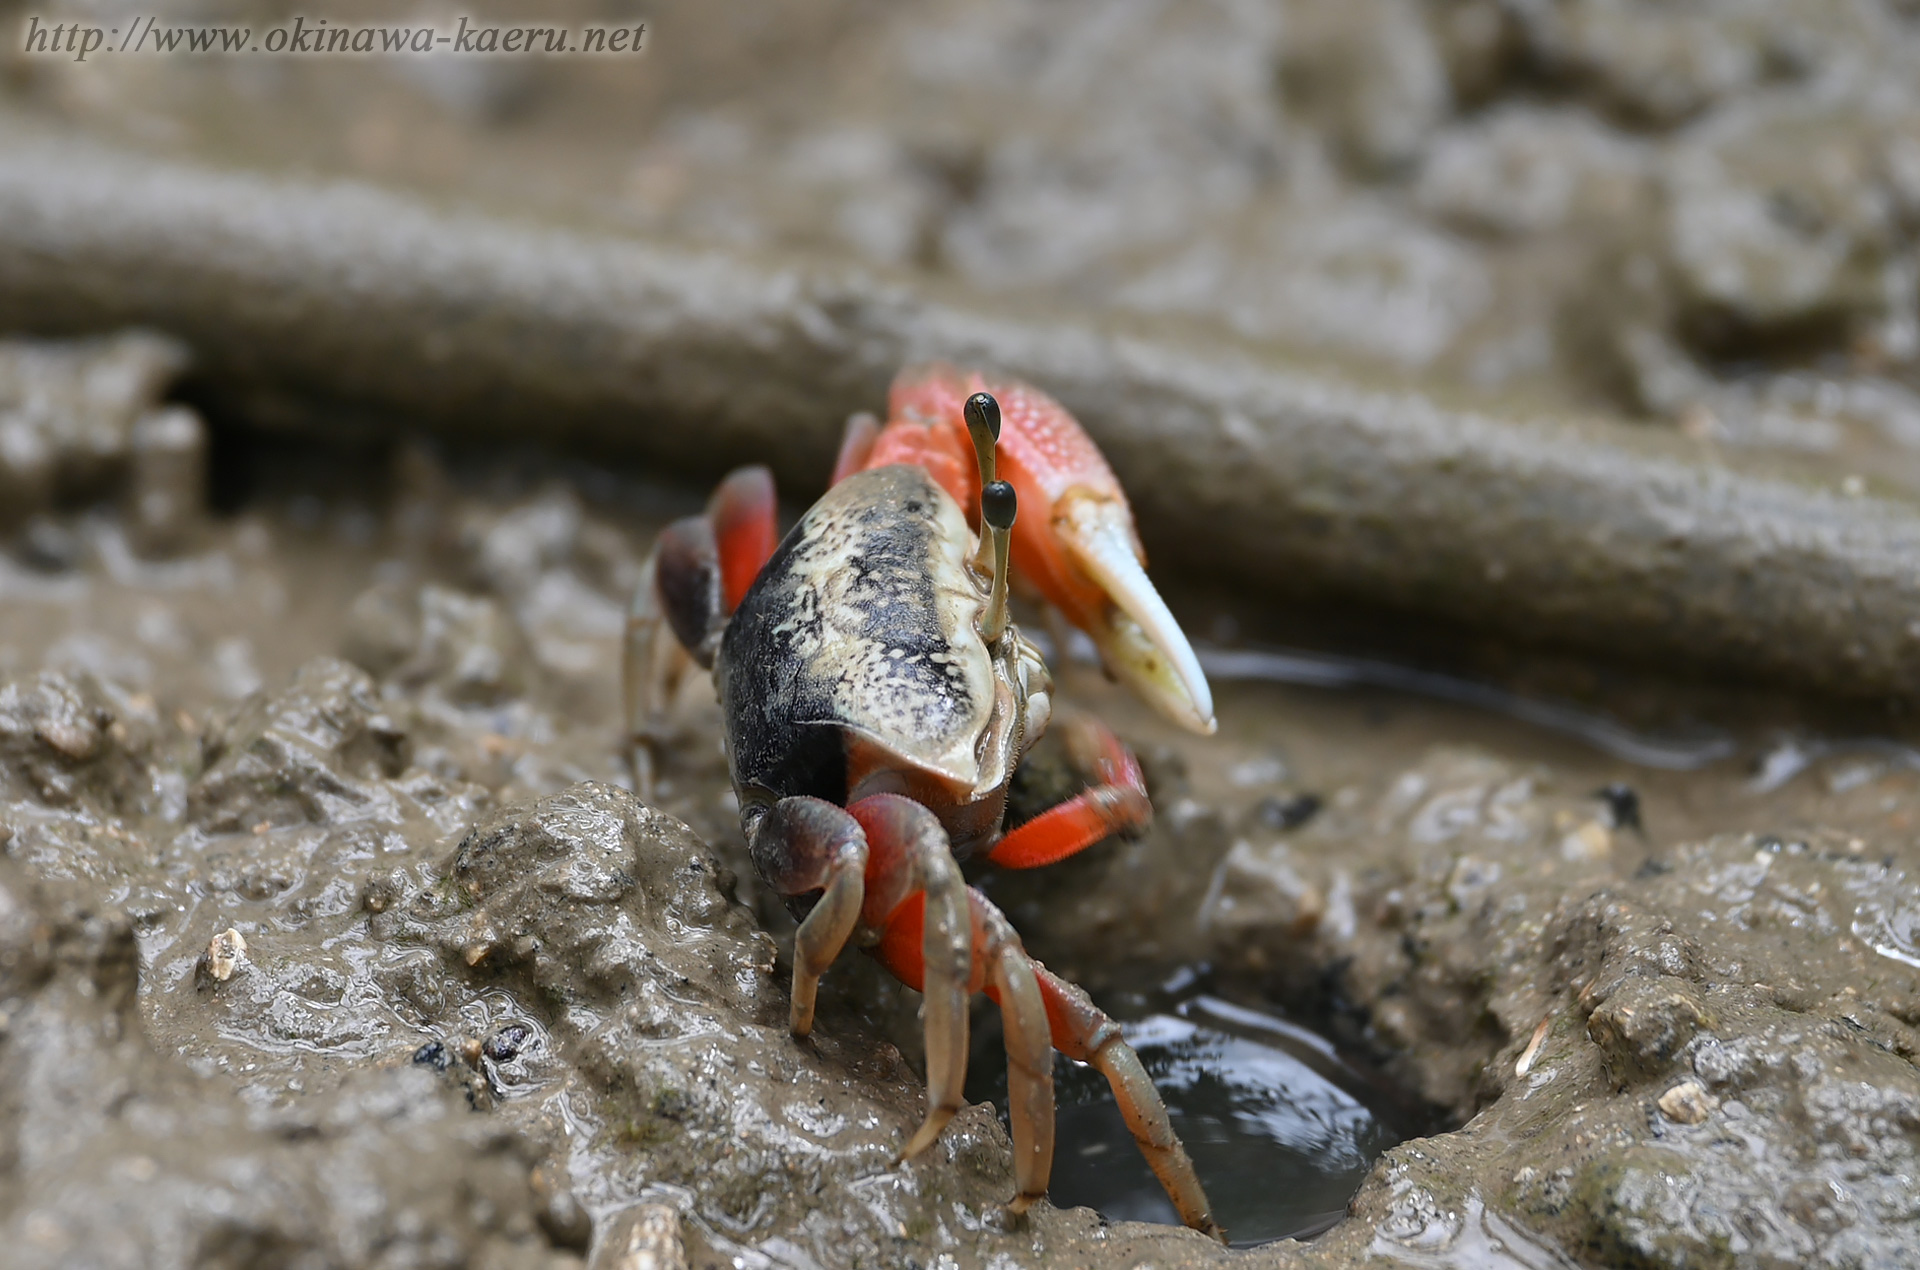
(998, 505)
(982, 413)
(983, 425)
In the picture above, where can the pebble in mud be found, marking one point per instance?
(65, 738)
(505, 1045)
(1687, 1103)
(1644, 1025)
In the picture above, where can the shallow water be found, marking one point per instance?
(1280, 1129)
(1668, 752)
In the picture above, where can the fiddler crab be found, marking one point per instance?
(877, 700)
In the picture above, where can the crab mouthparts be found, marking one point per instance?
(1139, 640)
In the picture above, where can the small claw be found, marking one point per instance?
(1139, 639)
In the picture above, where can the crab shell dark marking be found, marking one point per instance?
(862, 631)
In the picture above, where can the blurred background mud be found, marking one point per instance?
(1283, 260)
(1700, 214)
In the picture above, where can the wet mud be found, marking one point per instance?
(332, 935)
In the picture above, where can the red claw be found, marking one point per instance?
(1080, 551)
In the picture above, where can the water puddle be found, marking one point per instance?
(1675, 753)
(1281, 1130)
(1789, 755)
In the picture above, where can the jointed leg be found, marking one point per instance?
(918, 900)
(1081, 1031)
(1023, 1014)
(1115, 803)
(654, 663)
(856, 445)
(742, 510)
(805, 845)
(697, 574)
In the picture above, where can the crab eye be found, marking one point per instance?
(983, 412)
(998, 504)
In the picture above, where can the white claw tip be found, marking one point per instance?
(1143, 645)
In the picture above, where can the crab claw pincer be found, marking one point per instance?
(1075, 541)
(1137, 636)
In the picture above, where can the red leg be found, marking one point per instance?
(1083, 1032)
(916, 897)
(742, 512)
(1010, 982)
(673, 625)
(696, 576)
(999, 966)
(856, 445)
(687, 590)
(1115, 803)
(801, 846)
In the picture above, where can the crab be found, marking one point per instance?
(877, 699)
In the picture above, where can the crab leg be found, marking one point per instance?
(1115, 803)
(1001, 968)
(917, 899)
(1082, 1032)
(697, 574)
(856, 445)
(742, 509)
(653, 665)
(804, 845)
(1011, 983)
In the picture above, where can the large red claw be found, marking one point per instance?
(1080, 550)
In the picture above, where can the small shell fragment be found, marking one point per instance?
(1532, 1051)
(225, 952)
(70, 740)
(645, 1237)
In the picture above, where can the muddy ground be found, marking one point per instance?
(330, 936)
